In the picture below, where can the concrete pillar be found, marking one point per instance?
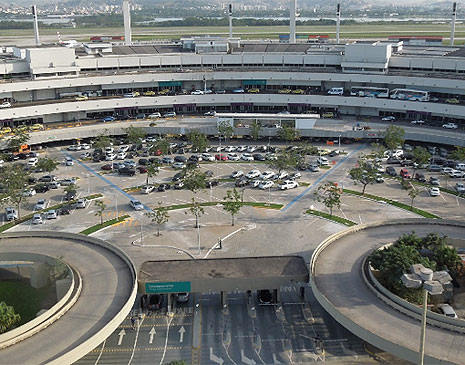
(292, 35)
(276, 296)
(454, 17)
(230, 20)
(302, 292)
(224, 299)
(40, 275)
(36, 25)
(169, 305)
(338, 21)
(127, 23)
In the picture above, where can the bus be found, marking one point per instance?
(412, 95)
(369, 92)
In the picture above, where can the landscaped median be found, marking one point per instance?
(212, 204)
(108, 223)
(397, 204)
(25, 218)
(333, 218)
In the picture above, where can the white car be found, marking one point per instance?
(417, 121)
(267, 175)
(51, 214)
(230, 149)
(110, 156)
(266, 185)
(84, 155)
(178, 165)
(154, 115)
(54, 185)
(41, 204)
(136, 205)
(67, 182)
(282, 175)
(37, 219)
(33, 161)
(85, 146)
(233, 157)
(5, 104)
(124, 148)
(253, 174)
(241, 148)
(251, 149)
(121, 155)
(11, 214)
(314, 168)
(447, 170)
(460, 188)
(447, 310)
(81, 203)
(288, 184)
(247, 157)
(388, 119)
(236, 174)
(197, 92)
(434, 191)
(109, 149)
(456, 174)
(450, 126)
(322, 161)
(210, 113)
(29, 192)
(147, 189)
(169, 115)
(207, 157)
(69, 161)
(256, 183)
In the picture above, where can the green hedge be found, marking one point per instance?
(107, 223)
(25, 218)
(397, 204)
(333, 218)
(209, 204)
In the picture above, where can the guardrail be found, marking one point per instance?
(83, 348)
(378, 341)
(48, 317)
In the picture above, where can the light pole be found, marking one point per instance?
(339, 142)
(432, 283)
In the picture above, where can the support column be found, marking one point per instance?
(338, 21)
(276, 296)
(454, 17)
(224, 299)
(169, 309)
(292, 35)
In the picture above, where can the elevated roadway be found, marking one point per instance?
(108, 292)
(338, 284)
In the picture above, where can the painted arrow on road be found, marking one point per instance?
(181, 334)
(121, 334)
(152, 333)
(215, 358)
(246, 360)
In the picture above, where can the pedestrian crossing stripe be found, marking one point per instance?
(195, 356)
(158, 316)
(131, 349)
(154, 325)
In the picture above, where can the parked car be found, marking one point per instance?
(313, 167)
(460, 188)
(81, 203)
(169, 115)
(433, 180)
(253, 174)
(51, 214)
(322, 161)
(41, 188)
(447, 310)
(236, 174)
(450, 126)
(266, 185)
(70, 195)
(207, 157)
(405, 174)
(241, 182)
(155, 302)
(417, 121)
(389, 118)
(147, 189)
(127, 170)
(179, 185)
(29, 192)
(247, 157)
(288, 184)
(37, 219)
(11, 214)
(434, 191)
(164, 187)
(233, 157)
(391, 171)
(420, 177)
(267, 175)
(54, 185)
(211, 183)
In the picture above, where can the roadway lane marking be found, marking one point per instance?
(168, 322)
(214, 358)
(105, 180)
(101, 352)
(159, 348)
(321, 178)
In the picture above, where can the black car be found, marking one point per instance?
(154, 160)
(179, 185)
(180, 159)
(393, 161)
(70, 195)
(41, 188)
(258, 157)
(178, 176)
(241, 182)
(420, 177)
(47, 178)
(98, 158)
(129, 171)
(302, 167)
(391, 171)
(164, 187)
(22, 156)
(155, 302)
(209, 173)
(265, 297)
(195, 158)
(211, 183)
(31, 180)
(406, 163)
(143, 162)
(64, 210)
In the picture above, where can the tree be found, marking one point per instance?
(152, 170)
(232, 203)
(288, 134)
(284, 160)
(193, 179)
(458, 154)
(135, 134)
(330, 195)
(378, 150)
(363, 174)
(197, 210)
(413, 193)
(226, 130)
(159, 216)
(199, 140)
(420, 157)
(162, 145)
(255, 129)
(18, 138)
(14, 180)
(102, 141)
(47, 164)
(394, 137)
(101, 206)
(8, 317)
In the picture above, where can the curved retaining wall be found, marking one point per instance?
(378, 341)
(83, 348)
(51, 315)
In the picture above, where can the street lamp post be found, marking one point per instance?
(432, 283)
(339, 142)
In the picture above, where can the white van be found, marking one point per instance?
(460, 166)
(336, 91)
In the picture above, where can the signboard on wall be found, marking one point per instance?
(168, 287)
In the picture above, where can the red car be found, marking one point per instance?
(107, 167)
(405, 174)
(142, 169)
(221, 157)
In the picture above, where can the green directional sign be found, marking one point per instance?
(169, 287)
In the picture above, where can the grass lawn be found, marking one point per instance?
(25, 299)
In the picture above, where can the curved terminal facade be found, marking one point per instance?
(57, 84)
